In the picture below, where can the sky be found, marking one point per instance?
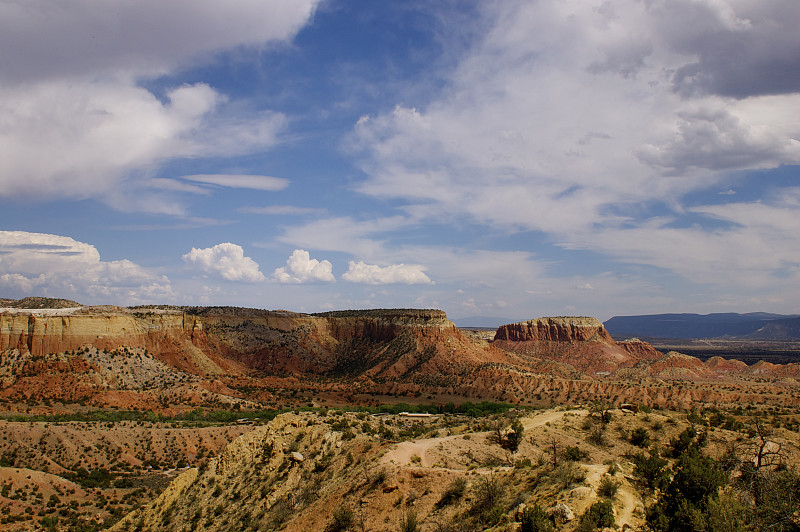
(509, 159)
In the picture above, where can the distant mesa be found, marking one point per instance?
(558, 329)
(38, 303)
(580, 341)
(162, 356)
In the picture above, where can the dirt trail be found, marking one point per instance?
(629, 502)
(542, 418)
(625, 500)
(404, 451)
(402, 454)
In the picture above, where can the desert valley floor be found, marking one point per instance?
(169, 418)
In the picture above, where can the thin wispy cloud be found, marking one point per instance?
(254, 182)
(278, 210)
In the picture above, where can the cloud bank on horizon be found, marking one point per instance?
(489, 158)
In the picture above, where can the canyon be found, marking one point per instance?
(128, 415)
(171, 359)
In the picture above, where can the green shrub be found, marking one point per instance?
(608, 487)
(342, 519)
(688, 496)
(534, 519)
(597, 436)
(568, 474)
(492, 516)
(574, 454)
(597, 516)
(687, 440)
(486, 504)
(651, 470)
(453, 492)
(639, 437)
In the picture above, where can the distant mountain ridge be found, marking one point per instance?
(752, 326)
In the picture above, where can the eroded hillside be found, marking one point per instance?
(79, 474)
(163, 358)
(337, 471)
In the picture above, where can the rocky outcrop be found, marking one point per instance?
(578, 341)
(724, 365)
(385, 325)
(51, 331)
(677, 366)
(175, 337)
(560, 329)
(229, 342)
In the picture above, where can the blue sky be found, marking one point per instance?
(496, 158)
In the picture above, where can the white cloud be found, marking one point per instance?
(359, 272)
(301, 268)
(722, 135)
(143, 38)
(753, 248)
(85, 138)
(79, 140)
(255, 182)
(371, 239)
(59, 266)
(567, 121)
(76, 122)
(225, 260)
(358, 237)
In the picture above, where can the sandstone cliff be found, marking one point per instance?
(560, 329)
(578, 341)
(154, 357)
(74, 351)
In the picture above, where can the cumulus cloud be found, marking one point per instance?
(225, 260)
(59, 266)
(78, 124)
(740, 49)
(301, 268)
(710, 136)
(96, 134)
(359, 272)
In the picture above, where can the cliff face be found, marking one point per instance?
(561, 329)
(232, 341)
(578, 341)
(41, 332)
(219, 355)
(385, 325)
